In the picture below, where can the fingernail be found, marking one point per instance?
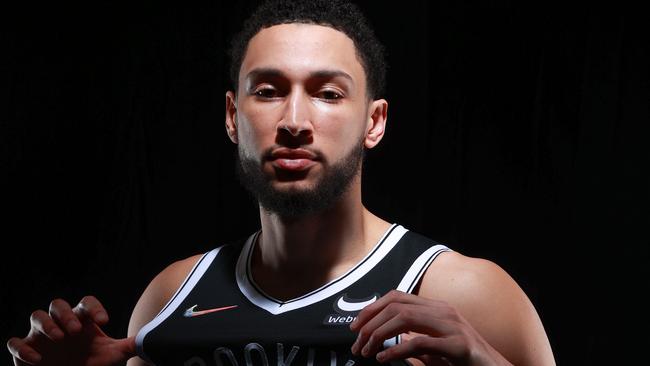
(74, 326)
(57, 333)
(365, 349)
(33, 357)
(380, 356)
(101, 317)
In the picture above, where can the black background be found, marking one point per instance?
(516, 133)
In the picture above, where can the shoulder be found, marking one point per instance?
(457, 276)
(159, 292)
(492, 302)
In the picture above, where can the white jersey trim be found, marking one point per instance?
(190, 281)
(256, 296)
(413, 275)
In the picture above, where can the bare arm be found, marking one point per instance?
(467, 312)
(493, 304)
(155, 297)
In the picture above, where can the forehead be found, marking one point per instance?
(300, 49)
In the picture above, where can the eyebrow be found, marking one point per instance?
(321, 74)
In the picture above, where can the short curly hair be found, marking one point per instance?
(341, 15)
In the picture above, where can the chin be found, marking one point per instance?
(296, 186)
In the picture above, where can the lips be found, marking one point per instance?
(293, 159)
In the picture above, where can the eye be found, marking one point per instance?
(265, 93)
(330, 95)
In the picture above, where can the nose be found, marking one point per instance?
(296, 118)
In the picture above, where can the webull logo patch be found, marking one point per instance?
(347, 309)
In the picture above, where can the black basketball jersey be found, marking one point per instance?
(219, 316)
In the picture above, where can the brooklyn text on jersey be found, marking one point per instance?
(220, 316)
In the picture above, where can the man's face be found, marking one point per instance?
(301, 117)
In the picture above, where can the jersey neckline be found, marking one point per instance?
(258, 297)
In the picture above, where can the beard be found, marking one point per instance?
(293, 203)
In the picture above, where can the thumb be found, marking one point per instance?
(126, 346)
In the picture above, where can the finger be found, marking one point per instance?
(90, 308)
(419, 347)
(365, 332)
(430, 360)
(376, 338)
(63, 315)
(396, 319)
(42, 323)
(23, 352)
(394, 296)
(410, 335)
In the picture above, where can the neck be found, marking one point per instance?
(295, 256)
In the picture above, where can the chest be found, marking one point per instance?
(221, 317)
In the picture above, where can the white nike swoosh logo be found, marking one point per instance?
(190, 312)
(354, 306)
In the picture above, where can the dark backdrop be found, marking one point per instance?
(516, 133)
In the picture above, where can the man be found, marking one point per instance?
(324, 281)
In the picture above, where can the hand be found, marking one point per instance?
(67, 336)
(444, 338)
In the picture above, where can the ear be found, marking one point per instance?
(231, 116)
(377, 116)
